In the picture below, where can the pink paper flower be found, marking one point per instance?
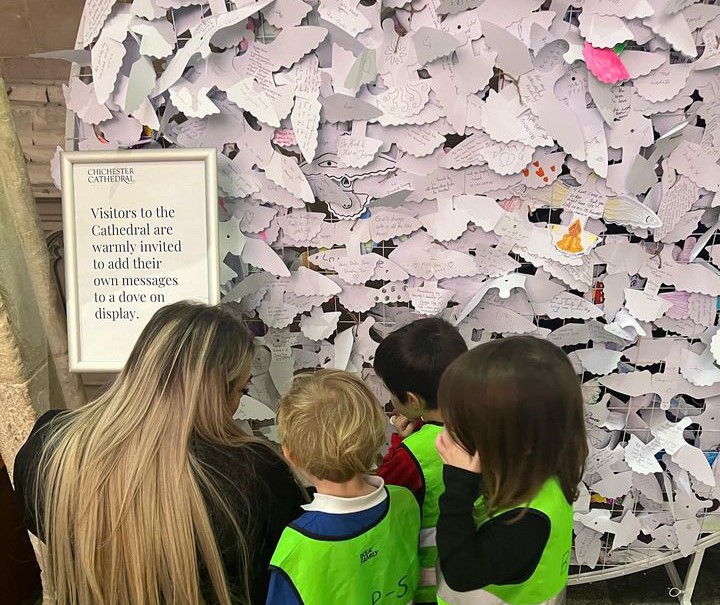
(605, 64)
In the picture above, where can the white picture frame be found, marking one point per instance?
(120, 186)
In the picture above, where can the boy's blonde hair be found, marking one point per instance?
(332, 425)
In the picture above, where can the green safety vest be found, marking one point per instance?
(550, 576)
(376, 567)
(421, 446)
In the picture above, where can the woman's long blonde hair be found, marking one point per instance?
(121, 492)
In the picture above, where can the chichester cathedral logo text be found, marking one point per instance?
(111, 175)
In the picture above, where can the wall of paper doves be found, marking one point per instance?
(517, 167)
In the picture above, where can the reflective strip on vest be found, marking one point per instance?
(428, 537)
(428, 559)
(448, 596)
(428, 577)
(421, 446)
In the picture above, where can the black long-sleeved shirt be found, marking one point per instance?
(504, 550)
(256, 484)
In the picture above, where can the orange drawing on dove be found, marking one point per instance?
(571, 242)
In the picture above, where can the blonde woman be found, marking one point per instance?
(151, 495)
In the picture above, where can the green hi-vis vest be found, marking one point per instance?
(549, 578)
(421, 446)
(377, 567)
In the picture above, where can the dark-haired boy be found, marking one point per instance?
(410, 361)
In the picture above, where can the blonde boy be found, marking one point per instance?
(357, 542)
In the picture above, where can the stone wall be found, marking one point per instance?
(24, 355)
(39, 112)
(35, 26)
(38, 109)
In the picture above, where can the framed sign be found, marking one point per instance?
(140, 230)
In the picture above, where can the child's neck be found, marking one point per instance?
(433, 416)
(356, 487)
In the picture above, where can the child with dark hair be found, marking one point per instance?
(410, 361)
(514, 448)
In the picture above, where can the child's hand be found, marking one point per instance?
(403, 425)
(455, 455)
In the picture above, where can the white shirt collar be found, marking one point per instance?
(335, 504)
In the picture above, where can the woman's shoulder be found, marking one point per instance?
(43, 427)
(265, 456)
(27, 463)
(252, 460)
(47, 420)
(255, 475)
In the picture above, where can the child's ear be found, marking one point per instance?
(415, 401)
(287, 455)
